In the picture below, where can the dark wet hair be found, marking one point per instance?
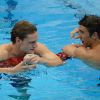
(22, 29)
(92, 23)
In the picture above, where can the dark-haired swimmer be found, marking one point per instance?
(24, 41)
(89, 34)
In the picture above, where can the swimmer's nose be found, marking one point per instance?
(80, 37)
(35, 45)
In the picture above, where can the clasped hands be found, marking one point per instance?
(31, 59)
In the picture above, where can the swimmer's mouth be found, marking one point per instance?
(32, 49)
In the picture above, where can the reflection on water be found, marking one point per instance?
(21, 85)
(11, 5)
(18, 81)
(22, 96)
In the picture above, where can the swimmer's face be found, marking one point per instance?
(29, 43)
(84, 35)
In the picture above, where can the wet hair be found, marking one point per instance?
(92, 23)
(21, 30)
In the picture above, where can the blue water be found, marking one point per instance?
(54, 19)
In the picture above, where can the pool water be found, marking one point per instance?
(54, 19)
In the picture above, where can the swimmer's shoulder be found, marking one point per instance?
(4, 51)
(97, 48)
(6, 47)
(40, 48)
(95, 54)
(96, 51)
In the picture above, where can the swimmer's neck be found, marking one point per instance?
(93, 44)
(16, 51)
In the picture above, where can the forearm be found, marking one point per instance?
(73, 50)
(11, 69)
(83, 53)
(6, 70)
(50, 62)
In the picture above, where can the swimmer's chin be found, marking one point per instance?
(30, 51)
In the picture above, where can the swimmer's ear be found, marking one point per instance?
(95, 36)
(18, 41)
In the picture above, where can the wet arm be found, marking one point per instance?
(49, 58)
(77, 51)
(20, 67)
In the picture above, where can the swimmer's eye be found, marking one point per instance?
(81, 31)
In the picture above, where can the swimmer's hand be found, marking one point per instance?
(22, 67)
(31, 59)
(72, 34)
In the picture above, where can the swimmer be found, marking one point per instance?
(24, 41)
(89, 33)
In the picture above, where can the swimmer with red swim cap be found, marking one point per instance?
(24, 41)
(89, 34)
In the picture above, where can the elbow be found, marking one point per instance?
(67, 50)
(64, 49)
(55, 64)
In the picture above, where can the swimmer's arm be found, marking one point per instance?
(20, 67)
(3, 54)
(6, 70)
(78, 51)
(91, 58)
(11, 69)
(70, 49)
(84, 53)
(47, 57)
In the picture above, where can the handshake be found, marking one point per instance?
(31, 59)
